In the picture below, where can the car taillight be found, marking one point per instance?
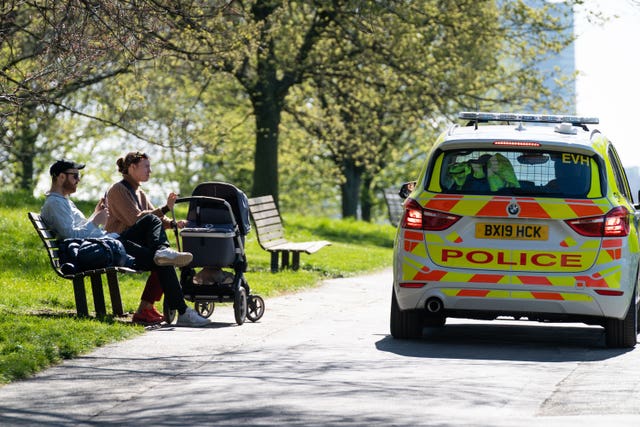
(417, 218)
(614, 224)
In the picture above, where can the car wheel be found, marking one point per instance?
(405, 324)
(623, 333)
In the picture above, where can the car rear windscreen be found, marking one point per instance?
(517, 172)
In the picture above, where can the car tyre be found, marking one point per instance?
(406, 324)
(623, 333)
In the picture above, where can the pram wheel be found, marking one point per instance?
(255, 308)
(204, 308)
(240, 305)
(169, 314)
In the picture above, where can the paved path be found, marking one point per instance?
(324, 357)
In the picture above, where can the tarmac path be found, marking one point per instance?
(324, 357)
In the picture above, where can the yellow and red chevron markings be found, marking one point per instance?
(530, 207)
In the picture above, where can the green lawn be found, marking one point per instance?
(37, 323)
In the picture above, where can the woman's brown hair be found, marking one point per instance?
(131, 158)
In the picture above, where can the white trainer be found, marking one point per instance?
(192, 318)
(168, 256)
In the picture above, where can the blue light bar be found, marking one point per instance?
(480, 116)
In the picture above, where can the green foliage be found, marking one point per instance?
(37, 323)
(364, 86)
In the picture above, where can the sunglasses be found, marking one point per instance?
(76, 175)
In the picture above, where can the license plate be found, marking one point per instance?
(512, 231)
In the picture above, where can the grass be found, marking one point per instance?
(38, 327)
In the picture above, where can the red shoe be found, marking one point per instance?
(157, 313)
(147, 316)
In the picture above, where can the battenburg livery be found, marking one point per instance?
(531, 218)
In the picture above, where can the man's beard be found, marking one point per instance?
(69, 187)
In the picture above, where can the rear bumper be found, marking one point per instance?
(490, 302)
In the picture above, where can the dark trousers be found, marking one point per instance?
(141, 241)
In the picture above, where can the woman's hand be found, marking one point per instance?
(171, 200)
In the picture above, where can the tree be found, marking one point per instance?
(194, 123)
(378, 70)
(436, 57)
(51, 50)
(415, 65)
(267, 45)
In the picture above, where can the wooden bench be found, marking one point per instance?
(395, 206)
(50, 242)
(270, 231)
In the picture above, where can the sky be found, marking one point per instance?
(608, 84)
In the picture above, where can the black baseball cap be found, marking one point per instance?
(62, 165)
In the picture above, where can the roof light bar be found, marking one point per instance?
(517, 143)
(524, 117)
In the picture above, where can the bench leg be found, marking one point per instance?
(296, 261)
(98, 295)
(274, 261)
(80, 297)
(285, 259)
(114, 293)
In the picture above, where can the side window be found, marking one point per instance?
(620, 175)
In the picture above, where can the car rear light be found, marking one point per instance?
(614, 224)
(609, 292)
(417, 218)
(412, 285)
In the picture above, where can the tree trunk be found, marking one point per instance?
(267, 96)
(366, 201)
(265, 172)
(24, 152)
(351, 189)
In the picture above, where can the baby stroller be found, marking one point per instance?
(217, 222)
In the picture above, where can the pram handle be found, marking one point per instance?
(189, 198)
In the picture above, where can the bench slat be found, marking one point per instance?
(260, 200)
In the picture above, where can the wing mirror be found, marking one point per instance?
(406, 189)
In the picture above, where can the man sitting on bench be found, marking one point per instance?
(146, 240)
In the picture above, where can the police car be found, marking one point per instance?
(518, 215)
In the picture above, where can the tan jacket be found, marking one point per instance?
(124, 210)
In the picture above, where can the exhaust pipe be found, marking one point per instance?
(434, 305)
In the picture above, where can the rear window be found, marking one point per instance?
(519, 172)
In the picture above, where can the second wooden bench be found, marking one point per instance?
(270, 231)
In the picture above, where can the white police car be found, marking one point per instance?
(531, 218)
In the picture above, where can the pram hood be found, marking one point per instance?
(235, 197)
